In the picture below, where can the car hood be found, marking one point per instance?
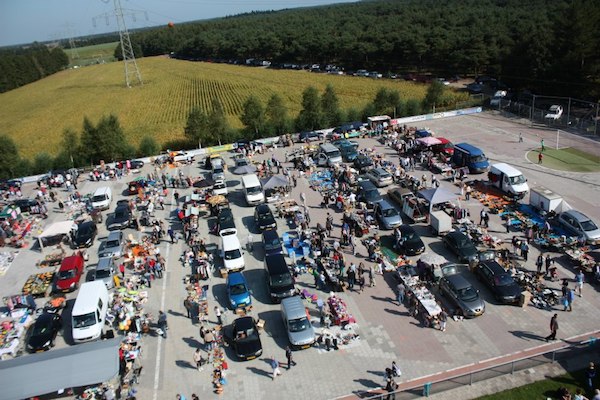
(63, 284)
(306, 336)
(82, 238)
(414, 245)
(238, 299)
(477, 305)
(392, 221)
(467, 251)
(248, 347)
(38, 341)
(513, 290)
(266, 221)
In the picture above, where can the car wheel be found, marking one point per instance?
(52, 344)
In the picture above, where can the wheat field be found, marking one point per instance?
(35, 115)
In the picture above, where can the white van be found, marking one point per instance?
(253, 190)
(102, 198)
(89, 311)
(328, 155)
(509, 180)
(231, 252)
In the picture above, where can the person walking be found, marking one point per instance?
(187, 304)
(549, 261)
(162, 323)
(520, 137)
(542, 145)
(524, 250)
(351, 277)
(275, 367)
(400, 292)
(218, 315)
(579, 278)
(198, 360)
(443, 320)
(390, 388)
(539, 263)
(569, 300)
(553, 328)
(122, 270)
(540, 157)
(288, 356)
(329, 224)
(482, 216)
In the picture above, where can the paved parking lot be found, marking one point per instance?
(386, 330)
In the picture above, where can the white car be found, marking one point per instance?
(220, 187)
(182, 156)
(380, 177)
(231, 252)
(555, 112)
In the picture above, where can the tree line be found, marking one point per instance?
(106, 140)
(20, 66)
(550, 46)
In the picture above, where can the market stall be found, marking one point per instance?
(54, 233)
(339, 311)
(39, 285)
(332, 273)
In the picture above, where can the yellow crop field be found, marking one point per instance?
(35, 115)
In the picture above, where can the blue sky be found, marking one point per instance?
(25, 21)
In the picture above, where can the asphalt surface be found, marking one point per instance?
(387, 332)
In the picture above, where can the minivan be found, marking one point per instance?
(297, 323)
(102, 198)
(279, 279)
(231, 252)
(467, 155)
(328, 155)
(578, 223)
(89, 312)
(105, 272)
(253, 190)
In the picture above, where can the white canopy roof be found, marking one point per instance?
(56, 229)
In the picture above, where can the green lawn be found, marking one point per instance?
(567, 159)
(88, 55)
(543, 390)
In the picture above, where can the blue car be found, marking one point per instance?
(237, 291)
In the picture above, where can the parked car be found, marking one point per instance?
(136, 164)
(362, 162)
(272, 242)
(581, 225)
(105, 272)
(462, 294)
(461, 246)
(308, 137)
(368, 193)
(501, 283)
(42, 335)
(27, 205)
(69, 274)
(225, 222)
(380, 177)
(238, 293)
(112, 246)
(263, 217)
(411, 243)
(246, 340)
(85, 235)
(121, 218)
(387, 215)
(135, 185)
(220, 187)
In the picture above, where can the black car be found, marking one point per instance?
(368, 193)
(225, 221)
(411, 243)
(245, 339)
(272, 242)
(29, 206)
(362, 162)
(263, 217)
(43, 333)
(121, 218)
(6, 184)
(461, 246)
(308, 137)
(85, 234)
(136, 164)
(501, 283)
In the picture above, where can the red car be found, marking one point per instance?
(445, 147)
(69, 274)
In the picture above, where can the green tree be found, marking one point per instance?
(10, 161)
(70, 154)
(253, 115)
(353, 114)
(136, 47)
(89, 150)
(148, 146)
(412, 107)
(217, 122)
(111, 142)
(310, 117)
(386, 101)
(197, 128)
(434, 95)
(42, 163)
(277, 116)
(330, 105)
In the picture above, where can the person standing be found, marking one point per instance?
(162, 323)
(520, 137)
(218, 315)
(400, 291)
(591, 375)
(579, 278)
(288, 356)
(122, 270)
(542, 145)
(553, 328)
(443, 320)
(198, 360)
(390, 387)
(524, 250)
(275, 367)
(540, 157)
(482, 216)
(549, 262)
(187, 304)
(570, 298)
(539, 263)
(351, 277)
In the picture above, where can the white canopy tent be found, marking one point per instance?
(437, 196)
(56, 229)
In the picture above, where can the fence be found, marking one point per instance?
(499, 367)
(584, 121)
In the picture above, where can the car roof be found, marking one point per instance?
(114, 235)
(104, 263)
(276, 263)
(366, 185)
(87, 223)
(244, 323)
(45, 317)
(579, 216)
(235, 277)
(270, 234)
(457, 234)
(406, 228)
(71, 262)
(458, 281)
(262, 208)
(230, 242)
(384, 204)
(494, 267)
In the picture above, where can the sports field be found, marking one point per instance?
(96, 54)
(35, 115)
(567, 159)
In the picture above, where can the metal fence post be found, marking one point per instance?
(512, 368)
(553, 356)
(426, 389)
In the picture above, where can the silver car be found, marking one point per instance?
(112, 246)
(295, 318)
(462, 294)
(380, 177)
(581, 225)
(105, 272)
(387, 215)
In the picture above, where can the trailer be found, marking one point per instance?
(440, 222)
(545, 199)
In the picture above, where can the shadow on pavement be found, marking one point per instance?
(192, 342)
(527, 335)
(368, 383)
(184, 364)
(259, 371)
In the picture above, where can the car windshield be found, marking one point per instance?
(241, 163)
(280, 280)
(219, 186)
(299, 325)
(41, 329)
(467, 294)
(254, 190)
(218, 171)
(480, 158)
(245, 335)
(517, 180)
(372, 195)
(85, 320)
(503, 280)
(99, 198)
(85, 229)
(102, 273)
(390, 212)
(265, 217)
(112, 243)
(68, 274)
(119, 214)
(273, 244)
(462, 242)
(588, 225)
(239, 288)
(232, 254)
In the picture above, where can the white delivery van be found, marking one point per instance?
(102, 198)
(328, 155)
(253, 190)
(509, 180)
(89, 311)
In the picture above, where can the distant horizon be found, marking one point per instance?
(23, 22)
